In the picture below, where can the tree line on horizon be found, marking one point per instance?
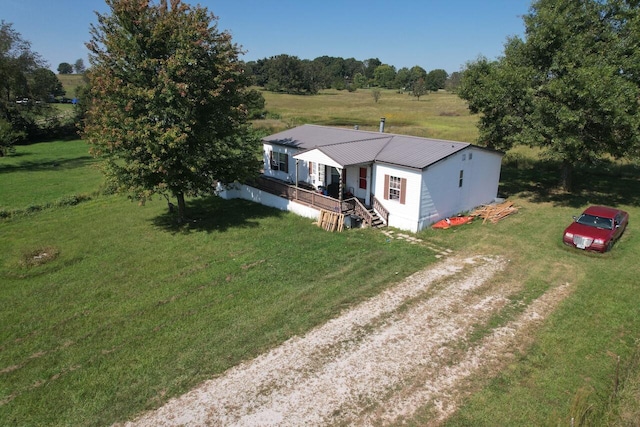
(290, 74)
(66, 68)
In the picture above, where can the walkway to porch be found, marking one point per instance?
(374, 216)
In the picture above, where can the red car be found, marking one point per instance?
(596, 229)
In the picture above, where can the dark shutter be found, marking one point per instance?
(386, 187)
(403, 190)
(286, 163)
(272, 161)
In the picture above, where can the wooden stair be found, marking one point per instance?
(377, 222)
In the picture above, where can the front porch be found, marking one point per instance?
(372, 216)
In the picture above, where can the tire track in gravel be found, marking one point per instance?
(376, 364)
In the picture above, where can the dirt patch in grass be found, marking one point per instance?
(403, 352)
(39, 256)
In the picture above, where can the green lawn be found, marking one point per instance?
(110, 309)
(45, 173)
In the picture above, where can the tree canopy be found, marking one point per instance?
(285, 73)
(65, 68)
(168, 112)
(571, 87)
(24, 83)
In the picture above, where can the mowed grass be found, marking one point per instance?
(44, 173)
(109, 308)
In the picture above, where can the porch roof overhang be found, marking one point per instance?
(317, 156)
(345, 154)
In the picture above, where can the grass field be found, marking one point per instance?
(438, 115)
(70, 82)
(110, 309)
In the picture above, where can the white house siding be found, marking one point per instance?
(241, 191)
(289, 176)
(403, 216)
(485, 177)
(441, 195)
(353, 182)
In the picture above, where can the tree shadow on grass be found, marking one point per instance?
(49, 165)
(215, 214)
(606, 183)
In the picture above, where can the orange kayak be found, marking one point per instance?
(452, 222)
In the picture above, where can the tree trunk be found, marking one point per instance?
(182, 209)
(566, 179)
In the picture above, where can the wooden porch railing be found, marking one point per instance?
(355, 205)
(380, 210)
(298, 194)
(319, 201)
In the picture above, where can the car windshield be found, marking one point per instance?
(595, 221)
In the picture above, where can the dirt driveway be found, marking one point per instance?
(406, 349)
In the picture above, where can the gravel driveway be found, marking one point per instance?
(406, 349)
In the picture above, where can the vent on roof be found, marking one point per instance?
(381, 124)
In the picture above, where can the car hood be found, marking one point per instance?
(588, 231)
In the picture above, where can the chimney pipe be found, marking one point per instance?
(382, 125)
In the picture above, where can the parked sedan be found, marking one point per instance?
(596, 229)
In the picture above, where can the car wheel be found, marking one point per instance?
(610, 245)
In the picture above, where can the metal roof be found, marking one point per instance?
(351, 147)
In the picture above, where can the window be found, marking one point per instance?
(363, 178)
(279, 161)
(395, 188)
(470, 156)
(461, 178)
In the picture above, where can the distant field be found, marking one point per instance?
(70, 82)
(440, 115)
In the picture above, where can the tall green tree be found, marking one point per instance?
(168, 109)
(65, 68)
(78, 66)
(384, 76)
(436, 79)
(571, 87)
(45, 84)
(18, 63)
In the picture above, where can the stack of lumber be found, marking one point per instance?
(495, 212)
(331, 221)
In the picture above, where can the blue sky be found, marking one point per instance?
(430, 33)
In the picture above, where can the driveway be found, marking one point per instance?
(408, 349)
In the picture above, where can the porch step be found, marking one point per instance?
(376, 222)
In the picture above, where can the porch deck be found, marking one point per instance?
(371, 217)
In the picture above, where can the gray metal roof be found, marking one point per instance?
(352, 147)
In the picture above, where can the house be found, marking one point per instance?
(411, 182)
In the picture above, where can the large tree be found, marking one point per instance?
(65, 68)
(18, 64)
(168, 111)
(78, 66)
(45, 84)
(572, 86)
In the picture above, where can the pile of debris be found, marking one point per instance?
(495, 212)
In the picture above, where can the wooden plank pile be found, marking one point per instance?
(331, 221)
(495, 213)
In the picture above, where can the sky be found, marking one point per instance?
(433, 34)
